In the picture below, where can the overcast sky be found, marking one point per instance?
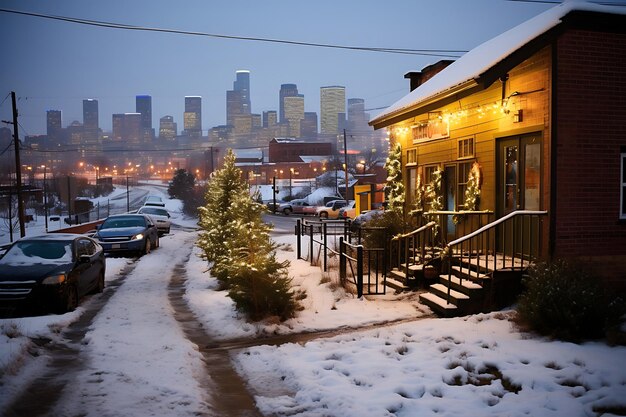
(55, 65)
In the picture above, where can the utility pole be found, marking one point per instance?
(345, 159)
(18, 168)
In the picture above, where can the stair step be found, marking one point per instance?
(466, 284)
(442, 291)
(413, 267)
(398, 274)
(396, 285)
(439, 305)
(470, 273)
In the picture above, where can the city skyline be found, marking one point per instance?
(113, 66)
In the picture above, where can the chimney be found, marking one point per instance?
(418, 78)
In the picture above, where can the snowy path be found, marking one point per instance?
(137, 359)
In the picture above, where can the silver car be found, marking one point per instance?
(160, 217)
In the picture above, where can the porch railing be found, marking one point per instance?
(510, 242)
(412, 248)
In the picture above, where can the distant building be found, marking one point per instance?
(54, 129)
(242, 84)
(143, 106)
(270, 118)
(193, 116)
(332, 108)
(127, 128)
(286, 90)
(291, 150)
(91, 128)
(308, 126)
(167, 128)
(294, 113)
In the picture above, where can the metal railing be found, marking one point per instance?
(510, 242)
(413, 247)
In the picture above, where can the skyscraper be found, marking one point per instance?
(294, 113)
(167, 128)
(143, 106)
(286, 90)
(91, 129)
(53, 125)
(193, 116)
(332, 108)
(238, 99)
(242, 84)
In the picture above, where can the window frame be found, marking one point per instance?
(622, 199)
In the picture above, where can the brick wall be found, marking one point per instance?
(591, 126)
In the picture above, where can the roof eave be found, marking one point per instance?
(428, 104)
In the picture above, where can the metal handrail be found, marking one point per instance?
(490, 244)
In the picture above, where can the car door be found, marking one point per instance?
(84, 271)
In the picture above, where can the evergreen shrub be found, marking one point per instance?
(565, 301)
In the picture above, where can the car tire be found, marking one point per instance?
(99, 284)
(323, 215)
(70, 301)
(148, 247)
(287, 211)
(157, 242)
(167, 232)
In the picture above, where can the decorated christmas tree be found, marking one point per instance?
(394, 188)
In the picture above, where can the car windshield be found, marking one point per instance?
(38, 252)
(123, 222)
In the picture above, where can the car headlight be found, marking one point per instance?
(138, 236)
(54, 279)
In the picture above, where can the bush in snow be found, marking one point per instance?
(564, 301)
(181, 185)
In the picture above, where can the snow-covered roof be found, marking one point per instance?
(480, 59)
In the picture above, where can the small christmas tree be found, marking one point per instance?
(434, 194)
(472, 192)
(394, 188)
(237, 242)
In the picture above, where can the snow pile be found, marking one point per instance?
(478, 365)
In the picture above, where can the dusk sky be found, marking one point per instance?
(55, 65)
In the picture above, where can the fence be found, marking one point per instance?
(366, 266)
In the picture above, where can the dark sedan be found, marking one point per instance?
(51, 272)
(134, 233)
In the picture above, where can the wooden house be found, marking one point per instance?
(538, 116)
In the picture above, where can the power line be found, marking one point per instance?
(113, 25)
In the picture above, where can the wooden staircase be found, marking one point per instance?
(475, 277)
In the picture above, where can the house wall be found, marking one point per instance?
(482, 117)
(591, 126)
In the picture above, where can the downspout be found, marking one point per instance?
(553, 153)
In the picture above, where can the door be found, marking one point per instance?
(518, 178)
(450, 186)
(519, 174)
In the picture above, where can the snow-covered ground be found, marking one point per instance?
(139, 363)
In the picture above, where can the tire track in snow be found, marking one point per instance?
(229, 393)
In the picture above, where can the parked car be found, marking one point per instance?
(331, 209)
(271, 206)
(52, 271)
(365, 216)
(154, 200)
(128, 233)
(348, 211)
(297, 206)
(160, 216)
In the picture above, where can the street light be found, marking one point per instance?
(45, 197)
